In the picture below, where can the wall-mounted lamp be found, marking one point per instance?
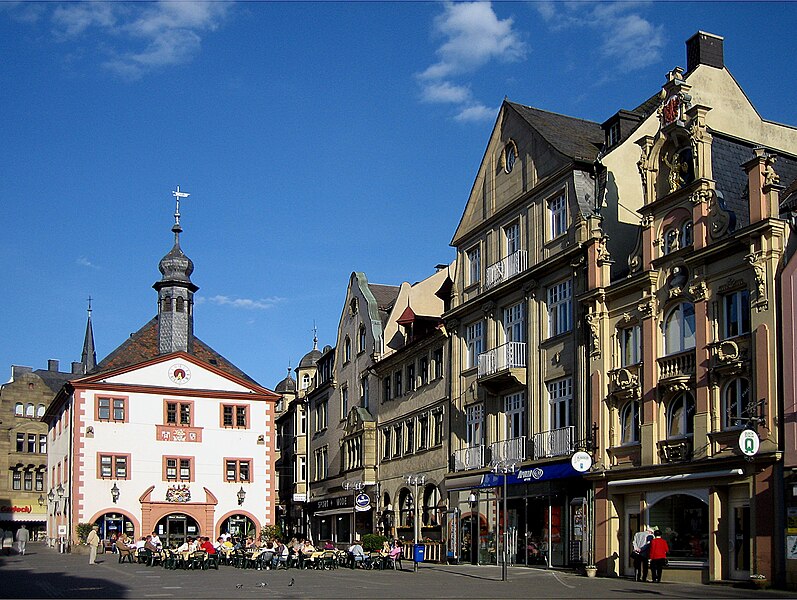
(60, 490)
(115, 493)
(241, 495)
(41, 500)
(51, 496)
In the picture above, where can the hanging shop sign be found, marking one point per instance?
(749, 442)
(362, 502)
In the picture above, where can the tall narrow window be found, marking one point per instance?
(411, 377)
(560, 399)
(397, 387)
(557, 213)
(681, 415)
(363, 339)
(736, 403)
(515, 323)
(629, 423)
(679, 329)
(515, 414)
(437, 363)
(423, 369)
(474, 434)
(346, 349)
(512, 238)
(364, 392)
(241, 416)
(736, 313)
(344, 402)
(423, 431)
(474, 338)
(630, 345)
(474, 265)
(386, 389)
(437, 427)
(560, 308)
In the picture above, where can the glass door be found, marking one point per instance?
(739, 542)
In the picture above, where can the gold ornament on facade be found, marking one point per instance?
(770, 176)
(675, 179)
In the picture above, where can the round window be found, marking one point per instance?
(509, 157)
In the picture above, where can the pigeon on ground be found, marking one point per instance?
(261, 584)
(292, 582)
(238, 586)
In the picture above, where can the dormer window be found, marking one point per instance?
(613, 134)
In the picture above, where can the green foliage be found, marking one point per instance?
(270, 532)
(372, 542)
(83, 530)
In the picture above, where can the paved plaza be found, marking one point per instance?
(44, 573)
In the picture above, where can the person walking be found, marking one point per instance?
(658, 555)
(93, 540)
(23, 535)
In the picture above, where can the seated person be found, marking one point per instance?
(395, 551)
(251, 543)
(356, 553)
(140, 543)
(149, 545)
(207, 546)
(308, 549)
(122, 547)
(156, 540)
(281, 553)
(328, 545)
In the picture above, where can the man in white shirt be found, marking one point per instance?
(639, 552)
(356, 553)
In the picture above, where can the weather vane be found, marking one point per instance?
(177, 195)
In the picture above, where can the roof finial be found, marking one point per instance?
(89, 309)
(176, 227)
(315, 336)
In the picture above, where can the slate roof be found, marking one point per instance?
(727, 158)
(385, 295)
(575, 138)
(55, 379)
(142, 346)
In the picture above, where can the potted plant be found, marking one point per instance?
(758, 580)
(591, 570)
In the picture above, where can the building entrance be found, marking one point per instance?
(173, 529)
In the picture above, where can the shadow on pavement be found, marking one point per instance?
(24, 582)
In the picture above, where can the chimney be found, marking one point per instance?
(52, 365)
(77, 368)
(704, 49)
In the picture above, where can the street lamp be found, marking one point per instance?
(241, 496)
(505, 467)
(415, 480)
(60, 491)
(115, 493)
(473, 502)
(51, 496)
(355, 486)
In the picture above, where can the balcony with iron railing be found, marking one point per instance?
(506, 362)
(506, 268)
(468, 458)
(513, 449)
(555, 442)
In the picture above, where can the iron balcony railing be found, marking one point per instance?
(556, 442)
(511, 355)
(470, 457)
(508, 450)
(506, 268)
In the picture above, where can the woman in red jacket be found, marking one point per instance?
(658, 555)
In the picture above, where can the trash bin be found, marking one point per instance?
(417, 553)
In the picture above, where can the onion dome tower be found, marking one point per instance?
(176, 293)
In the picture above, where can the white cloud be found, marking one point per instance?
(445, 91)
(245, 303)
(473, 36)
(476, 112)
(627, 39)
(82, 261)
(130, 38)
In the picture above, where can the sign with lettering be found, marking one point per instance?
(172, 433)
(749, 442)
(362, 502)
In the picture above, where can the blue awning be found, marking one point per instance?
(532, 475)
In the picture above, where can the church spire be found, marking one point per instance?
(176, 293)
(89, 357)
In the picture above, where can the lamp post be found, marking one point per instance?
(60, 491)
(355, 485)
(415, 480)
(505, 467)
(473, 502)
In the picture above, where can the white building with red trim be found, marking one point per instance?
(164, 435)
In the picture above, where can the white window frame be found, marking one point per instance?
(560, 401)
(474, 341)
(515, 323)
(557, 214)
(736, 408)
(474, 432)
(560, 307)
(512, 237)
(686, 421)
(515, 414)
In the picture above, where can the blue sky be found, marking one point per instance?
(316, 139)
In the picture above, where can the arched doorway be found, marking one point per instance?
(112, 525)
(238, 526)
(173, 529)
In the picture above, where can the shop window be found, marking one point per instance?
(683, 522)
